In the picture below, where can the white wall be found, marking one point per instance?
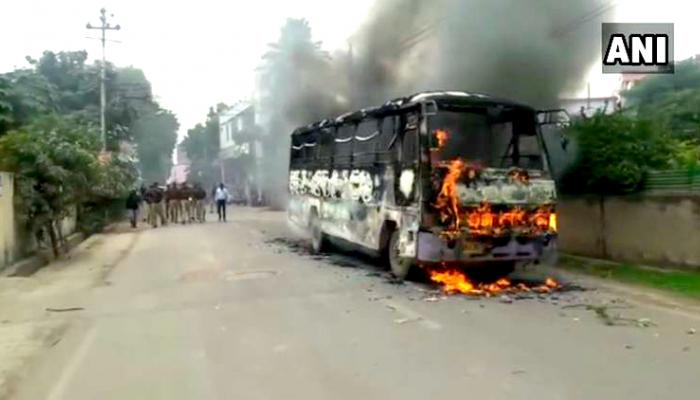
(8, 233)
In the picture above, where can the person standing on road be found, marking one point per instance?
(199, 197)
(155, 196)
(132, 204)
(212, 200)
(144, 203)
(222, 196)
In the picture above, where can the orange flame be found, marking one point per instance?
(454, 281)
(442, 136)
(482, 221)
(541, 219)
(448, 199)
(553, 222)
(520, 175)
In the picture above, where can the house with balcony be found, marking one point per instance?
(241, 152)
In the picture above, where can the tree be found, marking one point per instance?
(24, 94)
(49, 113)
(671, 99)
(202, 147)
(55, 160)
(155, 134)
(298, 80)
(615, 152)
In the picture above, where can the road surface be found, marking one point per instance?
(231, 311)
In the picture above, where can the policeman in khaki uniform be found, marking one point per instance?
(189, 202)
(155, 197)
(172, 203)
(199, 195)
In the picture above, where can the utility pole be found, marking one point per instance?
(104, 27)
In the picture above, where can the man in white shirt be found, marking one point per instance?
(221, 196)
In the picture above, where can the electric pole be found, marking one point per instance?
(104, 27)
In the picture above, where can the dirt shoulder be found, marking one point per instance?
(36, 310)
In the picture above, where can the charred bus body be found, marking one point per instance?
(434, 178)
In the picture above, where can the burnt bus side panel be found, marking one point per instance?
(362, 188)
(353, 204)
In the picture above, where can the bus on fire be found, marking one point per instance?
(437, 178)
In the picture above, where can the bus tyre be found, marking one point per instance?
(400, 266)
(318, 241)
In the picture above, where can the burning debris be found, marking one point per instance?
(454, 281)
(455, 179)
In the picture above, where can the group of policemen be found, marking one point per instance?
(177, 203)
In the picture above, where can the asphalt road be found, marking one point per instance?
(224, 311)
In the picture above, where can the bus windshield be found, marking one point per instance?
(487, 136)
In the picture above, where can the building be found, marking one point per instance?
(180, 170)
(240, 140)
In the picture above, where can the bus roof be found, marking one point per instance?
(414, 100)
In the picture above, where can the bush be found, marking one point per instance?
(615, 152)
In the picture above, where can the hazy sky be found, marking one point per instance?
(198, 53)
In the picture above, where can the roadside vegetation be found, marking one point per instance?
(50, 140)
(680, 282)
(658, 130)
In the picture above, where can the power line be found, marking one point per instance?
(104, 27)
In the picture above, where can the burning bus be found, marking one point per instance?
(434, 179)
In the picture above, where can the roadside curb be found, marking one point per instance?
(30, 265)
(635, 293)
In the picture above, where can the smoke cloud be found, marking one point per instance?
(529, 51)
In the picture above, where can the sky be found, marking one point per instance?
(199, 53)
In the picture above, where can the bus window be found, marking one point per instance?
(309, 149)
(296, 153)
(344, 137)
(387, 142)
(326, 142)
(477, 136)
(409, 142)
(366, 139)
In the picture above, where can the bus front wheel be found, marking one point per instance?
(400, 266)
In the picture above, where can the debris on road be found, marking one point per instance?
(431, 299)
(691, 331)
(505, 299)
(402, 321)
(645, 323)
(68, 309)
(392, 280)
(373, 273)
(602, 312)
(629, 346)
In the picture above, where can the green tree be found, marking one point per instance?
(671, 99)
(155, 134)
(24, 94)
(299, 84)
(49, 113)
(55, 160)
(615, 152)
(202, 147)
